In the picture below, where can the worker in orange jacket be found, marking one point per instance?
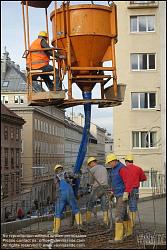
(40, 60)
(135, 176)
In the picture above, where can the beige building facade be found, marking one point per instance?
(42, 149)
(97, 147)
(72, 137)
(139, 121)
(11, 126)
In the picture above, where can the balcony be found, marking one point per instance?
(142, 4)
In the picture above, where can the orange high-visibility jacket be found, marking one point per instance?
(38, 59)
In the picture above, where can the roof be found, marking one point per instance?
(72, 124)
(7, 113)
(12, 79)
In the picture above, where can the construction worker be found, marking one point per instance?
(99, 181)
(40, 60)
(65, 195)
(118, 178)
(136, 175)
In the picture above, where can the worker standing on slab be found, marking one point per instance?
(39, 59)
(65, 195)
(119, 184)
(136, 175)
(99, 182)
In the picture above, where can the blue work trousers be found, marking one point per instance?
(133, 200)
(65, 197)
(46, 78)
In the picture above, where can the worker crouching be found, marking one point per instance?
(118, 179)
(99, 181)
(65, 196)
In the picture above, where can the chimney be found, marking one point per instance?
(18, 67)
(4, 63)
(12, 63)
(23, 71)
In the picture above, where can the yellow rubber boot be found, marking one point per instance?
(78, 218)
(132, 217)
(118, 233)
(56, 225)
(88, 216)
(105, 218)
(128, 228)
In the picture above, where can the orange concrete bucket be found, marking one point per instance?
(90, 29)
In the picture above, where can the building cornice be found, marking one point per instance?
(39, 110)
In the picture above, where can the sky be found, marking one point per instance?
(12, 36)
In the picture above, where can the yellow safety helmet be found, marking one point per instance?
(110, 157)
(91, 159)
(43, 33)
(58, 166)
(129, 157)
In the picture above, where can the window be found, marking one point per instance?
(12, 133)
(17, 157)
(6, 185)
(142, 61)
(17, 182)
(147, 182)
(46, 127)
(12, 183)
(12, 158)
(151, 181)
(35, 123)
(6, 133)
(19, 99)
(4, 99)
(38, 125)
(22, 146)
(142, 23)
(143, 100)
(6, 157)
(17, 134)
(41, 125)
(5, 83)
(16, 99)
(144, 139)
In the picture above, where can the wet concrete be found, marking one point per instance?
(144, 221)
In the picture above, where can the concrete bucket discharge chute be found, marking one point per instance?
(86, 35)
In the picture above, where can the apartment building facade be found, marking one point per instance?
(43, 148)
(109, 143)
(42, 136)
(96, 145)
(138, 125)
(11, 125)
(73, 135)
